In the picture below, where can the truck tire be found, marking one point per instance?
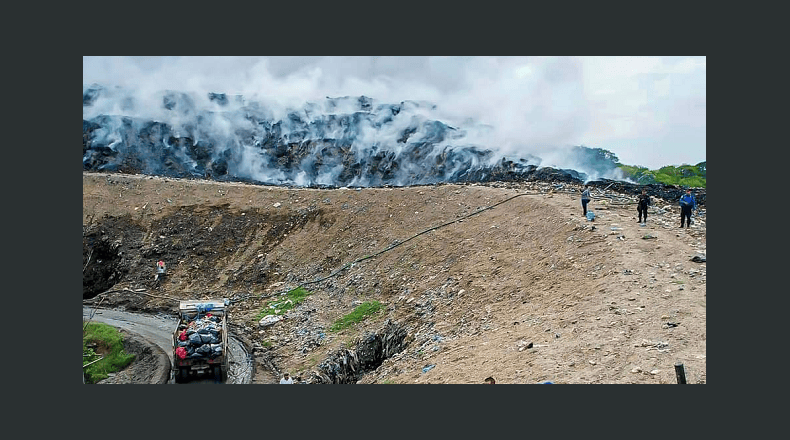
(182, 375)
(217, 373)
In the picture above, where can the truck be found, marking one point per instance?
(200, 341)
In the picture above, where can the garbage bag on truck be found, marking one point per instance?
(208, 338)
(195, 339)
(216, 350)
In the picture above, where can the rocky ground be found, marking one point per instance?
(526, 291)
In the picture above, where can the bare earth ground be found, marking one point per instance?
(617, 303)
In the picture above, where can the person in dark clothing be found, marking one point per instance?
(687, 204)
(643, 201)
(585, 199)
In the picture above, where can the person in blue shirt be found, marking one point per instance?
(687, 204)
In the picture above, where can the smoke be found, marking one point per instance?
(517, 107)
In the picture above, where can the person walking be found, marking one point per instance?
(643, 201)
(585, 199)
(160, 270)
(687, 204)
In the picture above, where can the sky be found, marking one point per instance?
(647, 110)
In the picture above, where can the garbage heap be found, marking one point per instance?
(346, 366)
(201, 337)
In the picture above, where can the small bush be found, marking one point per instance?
(359, 314)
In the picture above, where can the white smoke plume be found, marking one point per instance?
(516, 106)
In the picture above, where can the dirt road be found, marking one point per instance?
(157, 330)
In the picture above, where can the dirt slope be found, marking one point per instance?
(598, 305)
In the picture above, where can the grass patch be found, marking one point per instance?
(283, 304)
(102, 340)
(359, 314)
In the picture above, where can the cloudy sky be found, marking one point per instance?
(649, 111)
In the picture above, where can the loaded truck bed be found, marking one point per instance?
(200, 340)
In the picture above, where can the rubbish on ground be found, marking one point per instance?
(269, 320)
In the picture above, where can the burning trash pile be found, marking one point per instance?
(347, 141)
(200, 338)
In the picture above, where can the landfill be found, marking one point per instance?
(348, 365)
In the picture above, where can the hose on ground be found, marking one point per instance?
(387, 249)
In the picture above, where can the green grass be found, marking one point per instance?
(109, 341)
(283, 304)
(359, 314)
